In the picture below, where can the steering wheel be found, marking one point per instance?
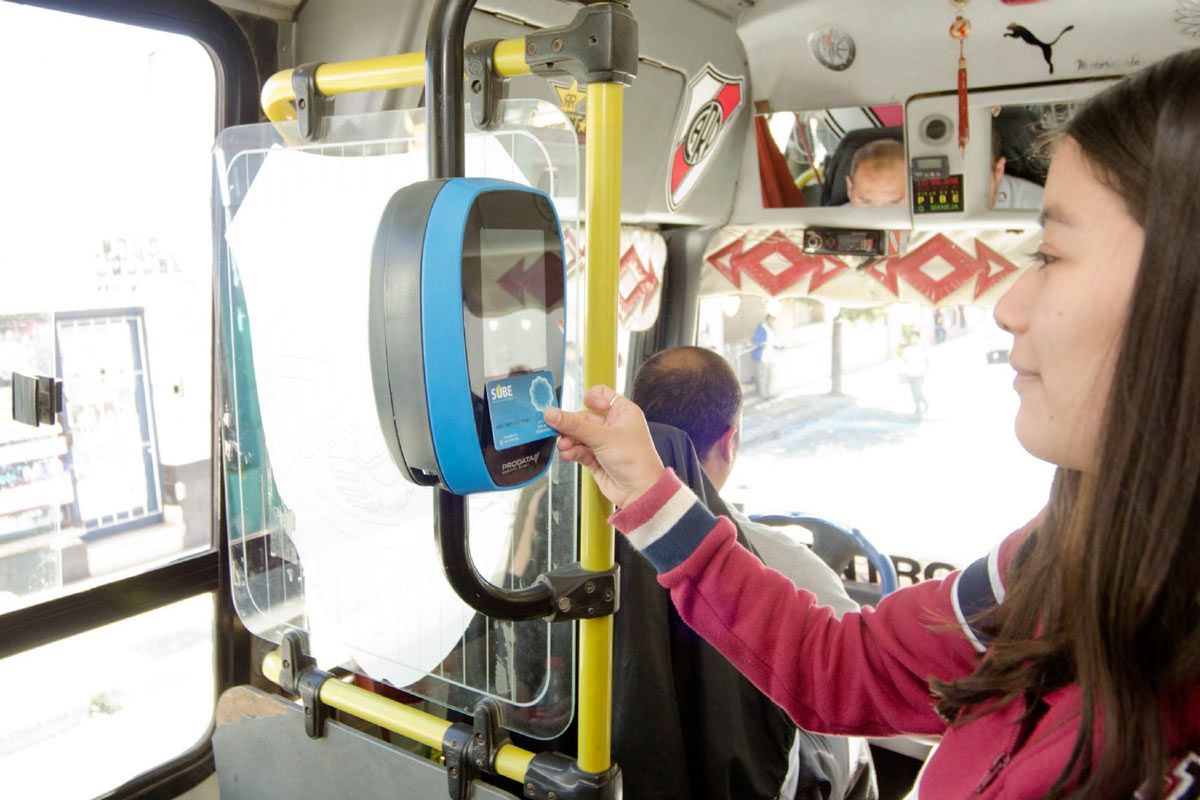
(837, 545)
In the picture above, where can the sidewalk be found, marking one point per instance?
(761, 420)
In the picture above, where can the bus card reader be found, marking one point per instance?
(467, 331)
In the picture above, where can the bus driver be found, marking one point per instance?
(877, 176)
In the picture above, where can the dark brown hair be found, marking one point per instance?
(1104, 594)
(693, 389)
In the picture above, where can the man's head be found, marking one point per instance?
(695, 390)
(877, 176)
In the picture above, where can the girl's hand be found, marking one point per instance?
(612, 441)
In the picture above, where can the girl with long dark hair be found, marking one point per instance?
(1066, 664)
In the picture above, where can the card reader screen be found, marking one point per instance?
(514, 338)
(513, 317)
(516, 404)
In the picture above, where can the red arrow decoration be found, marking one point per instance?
(723, 261)
(639, 278)
(824, 275)
(885, 271)
(993, 268)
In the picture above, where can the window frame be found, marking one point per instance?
(237, 87)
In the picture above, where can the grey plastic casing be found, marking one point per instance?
(398, 374)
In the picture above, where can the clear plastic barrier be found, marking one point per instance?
(327, 536)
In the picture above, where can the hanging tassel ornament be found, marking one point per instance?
(960, 29)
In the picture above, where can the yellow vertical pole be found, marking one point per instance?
(603, 215)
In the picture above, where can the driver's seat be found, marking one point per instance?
(837, 546)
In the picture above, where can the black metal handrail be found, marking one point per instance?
(444, 45)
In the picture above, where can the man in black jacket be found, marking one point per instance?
(720, 738)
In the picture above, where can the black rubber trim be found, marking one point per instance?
(237, 79)
(171, 779)
(56, 619)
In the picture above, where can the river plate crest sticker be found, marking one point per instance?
(711, 101)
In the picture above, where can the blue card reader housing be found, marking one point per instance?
(466, 326)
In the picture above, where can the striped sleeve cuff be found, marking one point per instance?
(666, 523)
(977, 591)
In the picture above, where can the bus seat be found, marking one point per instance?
(673, 690)
(837, 545)
(837, 166)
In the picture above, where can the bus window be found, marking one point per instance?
(829, 404)
(112, 702)
(107, 287)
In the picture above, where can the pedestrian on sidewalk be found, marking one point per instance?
(765, 341)
(914, 366)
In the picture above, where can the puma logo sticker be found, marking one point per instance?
(1025, 35)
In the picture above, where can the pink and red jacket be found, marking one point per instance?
(868, 674)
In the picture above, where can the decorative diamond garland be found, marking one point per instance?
(775, 263)
(936, 269)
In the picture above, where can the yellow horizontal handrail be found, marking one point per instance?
(807, 177)
(412, 723)
(382, 72)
